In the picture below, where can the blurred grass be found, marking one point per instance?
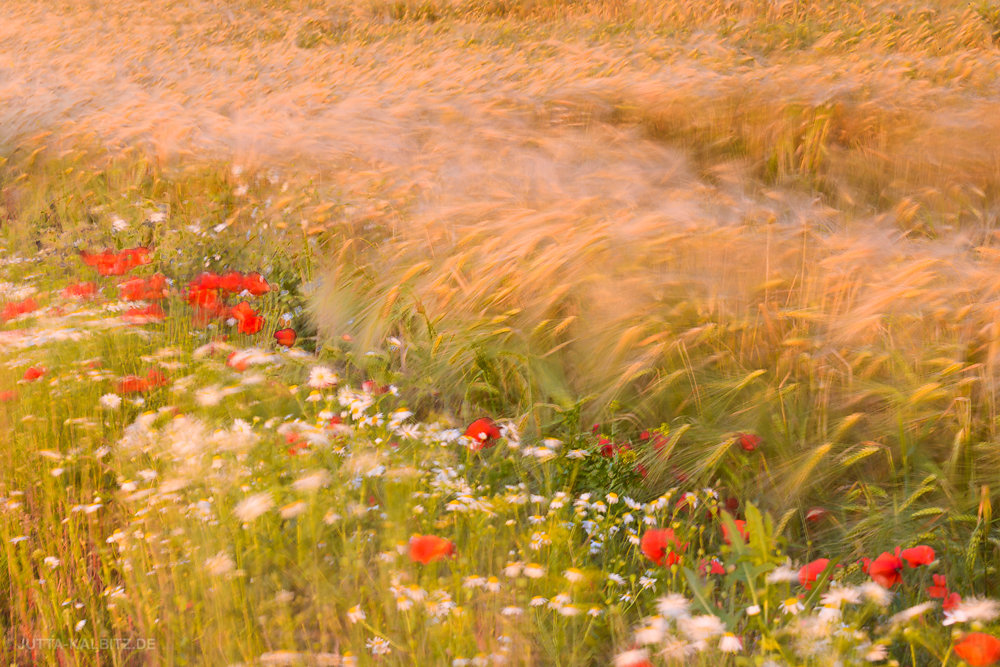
(778, 217)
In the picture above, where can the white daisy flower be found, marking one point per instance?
(673, 606)
(730, 643)
(110, 401)
(355, 614)
(633, 658)
(253, 506)
(972, 609)
(874, 593)
(322, 377)
(701, 628)
(792, 606)
(534, 571)
(911, 613)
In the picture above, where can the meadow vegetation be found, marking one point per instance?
(714, 267)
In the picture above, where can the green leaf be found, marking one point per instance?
(820, 582)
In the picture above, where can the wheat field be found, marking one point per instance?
(706, 217)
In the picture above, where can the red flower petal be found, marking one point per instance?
(919, 555)
(748, 441)
(429, 548)
(247, 318)
(978, 649)
(34, 373)
(741, 527)
(232, 282)
(885, 570)
(483, 432)
(658, 546)
(285, 337)
(255, 284)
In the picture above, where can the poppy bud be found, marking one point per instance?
(285, 337)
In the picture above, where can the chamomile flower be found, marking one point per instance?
(873, 592)
(911, 613)
(253, 507)
(972, 609)
(782, 574)
(355, 614)
(513, 570)
(840, 595)
(701, 628)
(673, 606)
(730, 643)
(534, 571)
(792, 606)
(322, 377)
(378, 646)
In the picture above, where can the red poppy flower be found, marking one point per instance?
(155, 378)
(298, 447)
(232, 282)
(951, 601)
(297, 444)
(144, 289)
(206, 281)
(94, 259)
(660, 442)
(641, 470)
(105, 263)
(429, 548)
(644, 436)
(940, 587)
(285, 337)
(885, 570)
(151, 313)
(201, 297)
(607, 448)
(132, 384)
(919, 555)
(247, 319)
(483, 432)
(748, 441)
(109, 263)
(84, 290)
(34, 373)
(811, 571)
(14, 309)
(711, 566)
(658, 546)
(372, 387)
(8, 396)
(133, 257)
(687, 501)
(741, 528)
(255, 284)
(132, 290)
(978, 649)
